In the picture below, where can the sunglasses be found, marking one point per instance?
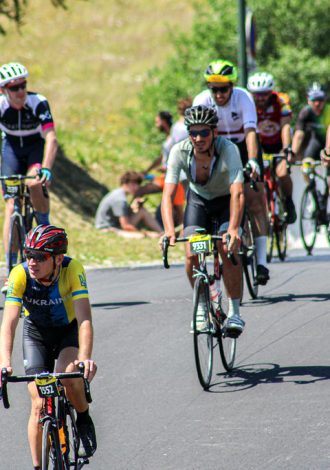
(220, 89)
(262, 93)
(202, 133)
(21, 86)
(39, 257)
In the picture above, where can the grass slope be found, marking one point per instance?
(90, 61)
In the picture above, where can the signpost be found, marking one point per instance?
(247, 42)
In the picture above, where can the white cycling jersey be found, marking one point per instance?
(235, 116)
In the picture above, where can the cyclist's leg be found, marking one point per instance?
(39, 200)
(195, 216)
(256, 204)
(147, 219)
(67, 352)
(11, 163)
(37, 358)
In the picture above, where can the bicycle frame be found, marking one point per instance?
(55, 407)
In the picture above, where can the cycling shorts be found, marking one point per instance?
(271, 149)
(17, 160)
(179, 197)
(244, 156)
(199, 213)
(42, 346)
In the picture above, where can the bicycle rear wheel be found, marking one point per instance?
(51, 458)
(227, 345)
(281, 227)
(308, 219)
(250, 259)
(16, 242)
(203, 340)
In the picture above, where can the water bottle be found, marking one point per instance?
(62, 439)
(215, 293)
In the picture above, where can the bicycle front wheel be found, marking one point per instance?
(51, 458)
(250, 259)
(281, 227)
(72, 438)
(227, 345)
(16, 242)
(308, 219)
(203, 337)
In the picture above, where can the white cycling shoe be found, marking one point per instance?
(235, 326)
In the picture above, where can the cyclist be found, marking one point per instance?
(238, 122)
(52, 288)
(214, 171)
(312, 123)
(274, 118)
(28, 141)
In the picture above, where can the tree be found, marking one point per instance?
(14, 10)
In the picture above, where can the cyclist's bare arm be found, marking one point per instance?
(7, 334)
(167, 211)
(251, 142)
(236, 213)
(150, 188)
(85, 331)
(297, 140)
(325, 153)
(285, 131)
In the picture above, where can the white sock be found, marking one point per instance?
(261, 249)
(233, 307)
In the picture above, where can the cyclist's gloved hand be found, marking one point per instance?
(45, 174)
(289, 153)
(254, 165)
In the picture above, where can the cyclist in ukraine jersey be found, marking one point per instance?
(29, 142)
(237, 121)
(57, 327)
(274, 118)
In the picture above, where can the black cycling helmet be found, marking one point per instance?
(316, 92)
(201, 115)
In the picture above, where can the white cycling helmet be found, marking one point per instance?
(261, 82)
(12, 71)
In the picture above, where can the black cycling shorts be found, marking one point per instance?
(41, 346)
(199, 213)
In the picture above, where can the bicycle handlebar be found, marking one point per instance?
(5, 378)
(18, 177)
(247, 171)
(166, 245)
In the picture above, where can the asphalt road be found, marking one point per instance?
(150, 412)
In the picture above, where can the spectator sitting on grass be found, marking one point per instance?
(116, 215)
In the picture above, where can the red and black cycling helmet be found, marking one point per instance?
(47, 238)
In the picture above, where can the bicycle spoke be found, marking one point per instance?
(227, 345)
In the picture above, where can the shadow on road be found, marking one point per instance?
(251, 375)
(115, 305)
(274, 299)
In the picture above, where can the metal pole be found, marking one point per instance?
(242, 59)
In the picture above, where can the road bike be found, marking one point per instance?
(277, 214)
(60, 437)
(23, 217)
(203, 245)
(313, 207)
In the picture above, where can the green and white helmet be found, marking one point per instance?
(12, 71)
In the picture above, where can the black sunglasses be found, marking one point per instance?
(202, 133)
(220, 89)
(37, 256)
(21, 86)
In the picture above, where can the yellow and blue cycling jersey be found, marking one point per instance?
(50, 306)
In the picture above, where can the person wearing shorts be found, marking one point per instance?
(215, 174)
(29, 142)
(57, 328)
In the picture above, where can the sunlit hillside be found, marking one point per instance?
(90, 61)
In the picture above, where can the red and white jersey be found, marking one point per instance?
(269, 119)
(235, 116)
